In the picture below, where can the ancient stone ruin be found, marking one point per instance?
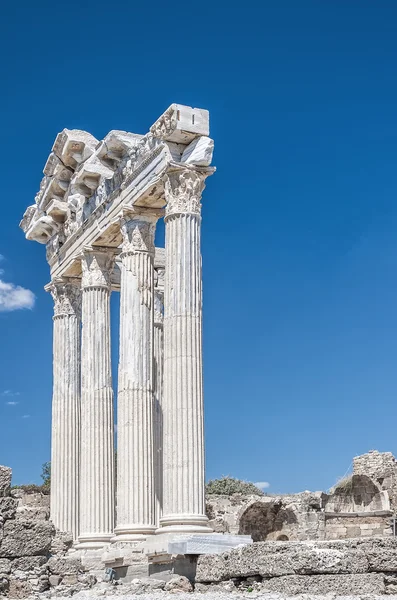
(361, 505)
(96, 211)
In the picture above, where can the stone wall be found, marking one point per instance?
(356, 526)
(289, 517)
(342, 568)
(360, 505)
(32, 554)
(376, 465)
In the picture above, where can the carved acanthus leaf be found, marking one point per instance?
(96, 268)
(183, 189)
(138, 235)
(67, 298)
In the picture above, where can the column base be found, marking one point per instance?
(132, 533)
(184, 524)
(94, 540)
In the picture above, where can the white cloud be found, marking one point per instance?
(15, 297)
(12, 403)
(25, 416)
(10, 393)
(262, 485)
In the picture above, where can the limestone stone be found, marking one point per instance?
(64, 565)
(28, 563)
(8, 507)
(19, 589)
(61, 542)
(178, 583)
(26, 538)
(54, 580)
(338, 585)
(381, 553)
(5, 565)
(4, 584)
(5, 480)
(276, 559)
(70, 579)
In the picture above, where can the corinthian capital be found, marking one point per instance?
(67, 297)
(97, 265)
(183, 189)
(138, 229)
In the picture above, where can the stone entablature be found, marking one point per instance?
(86, 182)
(96, 211)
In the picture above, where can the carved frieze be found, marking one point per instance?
(83, 177)
(166, 124)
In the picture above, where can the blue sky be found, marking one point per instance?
(299, 222)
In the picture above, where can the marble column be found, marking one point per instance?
(97, 429)
(65, 443)
(183, 435)
(158, 391)
(135, 473)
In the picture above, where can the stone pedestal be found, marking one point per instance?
(65, 443)
(135, 481)
(97, 436)
(158, 392)
(183, 458)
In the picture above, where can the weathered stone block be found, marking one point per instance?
(64, 566)
(19, 589)
(5, 565)
(8, 507)
(61, 542)
(381, 554)
(26, 538)
(179, 583)
(341, 585)
(28, 563)
(276, 559)
(54, 580)
(5, 480)
(70, 579)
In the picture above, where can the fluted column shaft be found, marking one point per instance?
(158, 392)
(135, 474)
(65, 444)
(183, 458)
(97, 429)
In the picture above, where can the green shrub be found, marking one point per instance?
(31, 488)
(227, 486)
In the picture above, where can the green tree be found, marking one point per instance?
(46, 474)
(226, 486)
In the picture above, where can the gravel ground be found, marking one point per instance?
(220, 596)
